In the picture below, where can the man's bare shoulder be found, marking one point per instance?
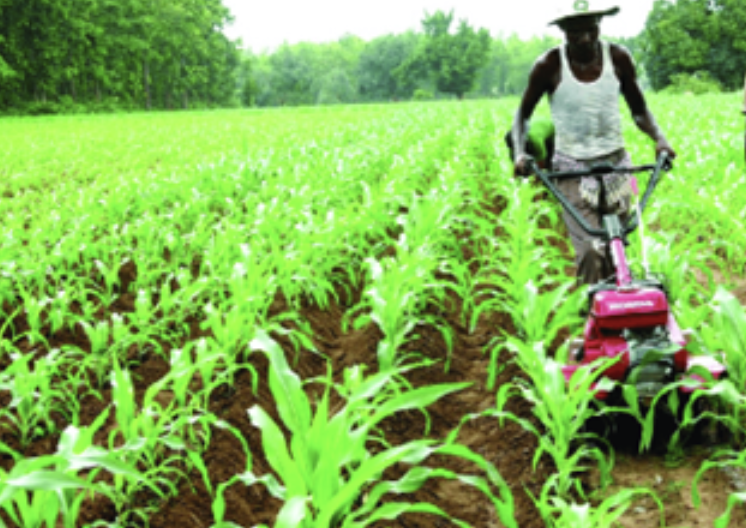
(545, 72)
(620, 55)
(548, 63)
(541, 80)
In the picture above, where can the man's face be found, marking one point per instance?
(581, 34)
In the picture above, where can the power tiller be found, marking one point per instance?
(630, 319)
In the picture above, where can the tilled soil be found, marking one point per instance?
(509, 448)
(672, 483)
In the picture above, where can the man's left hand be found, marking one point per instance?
(662, 146)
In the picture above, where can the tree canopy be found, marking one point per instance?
(378, 61)
(128, 53)
(696, 36)
(452, 58)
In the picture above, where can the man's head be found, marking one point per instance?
(581, 33)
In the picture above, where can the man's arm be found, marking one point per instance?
(625, 70)
(539, 83)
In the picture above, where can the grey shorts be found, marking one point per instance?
(591, 255)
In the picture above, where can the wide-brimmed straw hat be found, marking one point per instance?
(577, 8)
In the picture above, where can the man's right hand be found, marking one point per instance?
(523, 165)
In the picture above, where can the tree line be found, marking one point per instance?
(686, 45)
(446, 59)
(61, 54)
(68, 55)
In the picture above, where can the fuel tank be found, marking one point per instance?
(617, 310)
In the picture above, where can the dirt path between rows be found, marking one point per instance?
(511, 448)
(248, 506)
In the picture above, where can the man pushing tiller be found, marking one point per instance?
(583, 79)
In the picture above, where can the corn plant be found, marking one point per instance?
(158, 438)
(724, 337)
(110, 277)
(538, 318)
(144, 438)
(561, 513)
(676, 263)
(562, 409)
(397, 289)
(37, 492)
(100, 357)
(35, 395)
(144, 310)
(522, 269)
(58, 314)
(213, 366)
(328, 468)
(727, 333)
(524, 251)
(35, 497)
(141, 431)
(722, 459)
(34, 308)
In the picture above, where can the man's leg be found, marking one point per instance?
(591, 257)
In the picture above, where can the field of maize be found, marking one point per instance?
(342, 317)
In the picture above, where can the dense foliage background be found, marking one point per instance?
(61, 54)
(102, 55)
(703, 39)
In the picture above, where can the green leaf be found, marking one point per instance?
(293, 513)
(196, 459)
(275, 448)
(724, 520)
(415, 399)
(372, 468)
(392, 510)
(46, 481)
(292, 403)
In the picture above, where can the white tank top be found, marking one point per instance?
(586, 115)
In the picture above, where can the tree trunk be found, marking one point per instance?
(146, 84)
(185, 94)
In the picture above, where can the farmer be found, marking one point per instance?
(539, 142)
(583, 79)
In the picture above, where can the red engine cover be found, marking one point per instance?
(615, 310)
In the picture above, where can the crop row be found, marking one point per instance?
(413, 208)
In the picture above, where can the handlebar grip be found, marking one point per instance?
(531, 166)
(664, 161)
